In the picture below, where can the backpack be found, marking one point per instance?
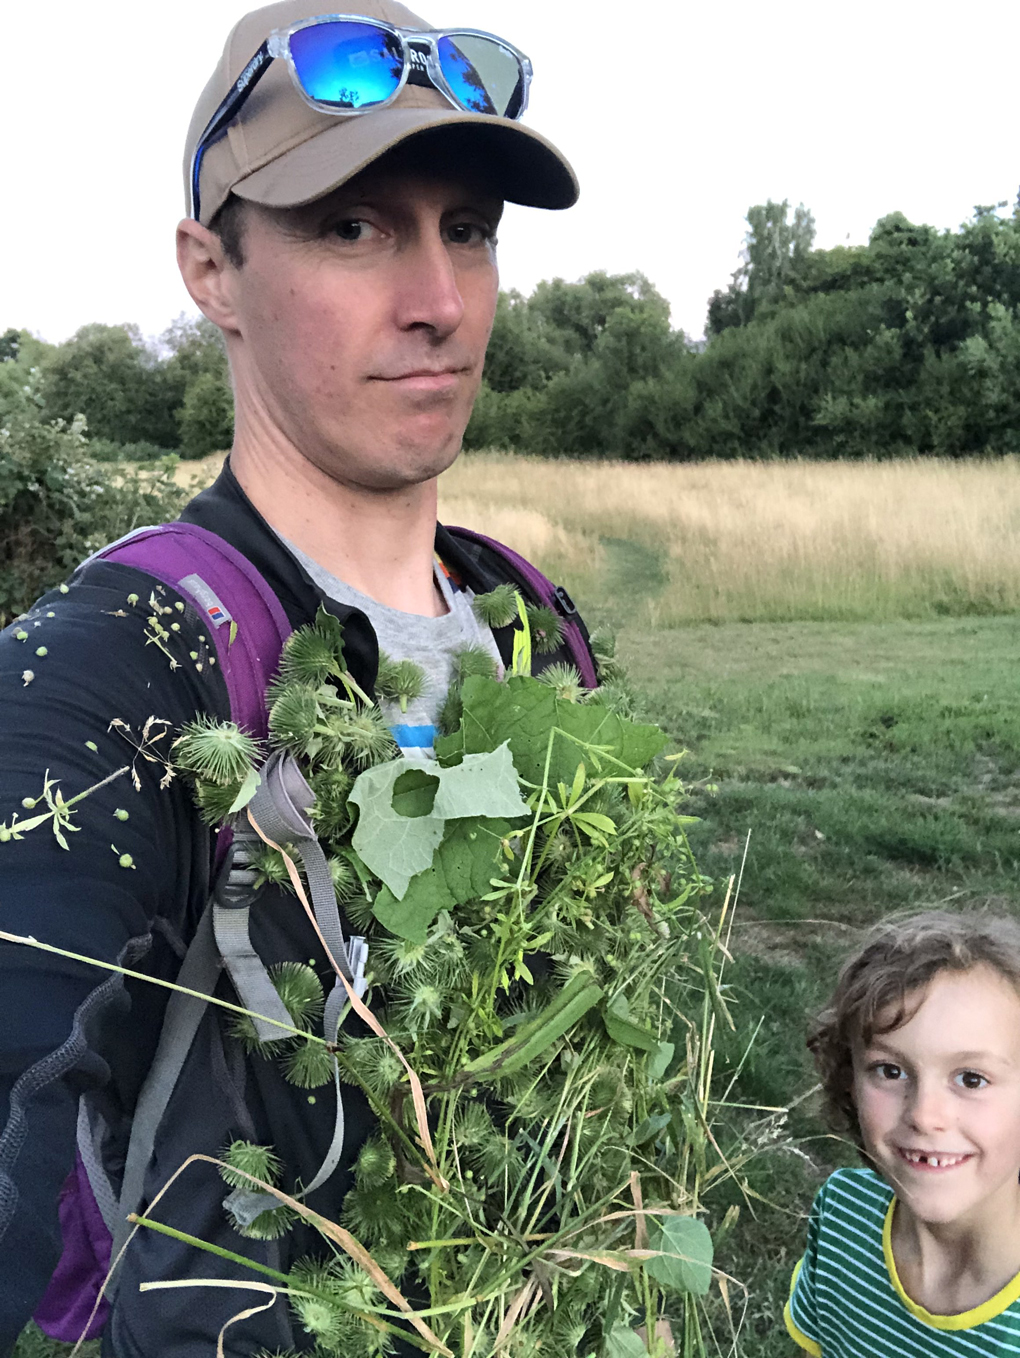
(248, 628)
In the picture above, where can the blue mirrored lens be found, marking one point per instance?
(348, 64)
(484, 75)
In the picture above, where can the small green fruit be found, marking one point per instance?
(41, 650)
(126, 861)
(120, 813)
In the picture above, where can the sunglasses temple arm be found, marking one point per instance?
(225, 114)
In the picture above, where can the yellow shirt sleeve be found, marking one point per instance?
(799, 1338)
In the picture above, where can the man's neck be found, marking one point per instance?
(379, 542)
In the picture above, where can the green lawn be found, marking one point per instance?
(875, 767)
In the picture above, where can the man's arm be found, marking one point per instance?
(136, 857)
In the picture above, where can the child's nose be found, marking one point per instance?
(928, 1107)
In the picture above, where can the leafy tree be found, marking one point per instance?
(207, 416)
(108, 374)
(775, 253)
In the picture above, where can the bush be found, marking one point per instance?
(57, 504)
(105, 450)
(206, 418)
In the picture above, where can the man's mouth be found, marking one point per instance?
(929, 1160)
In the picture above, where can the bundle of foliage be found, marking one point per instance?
(546, 982)
(57, 505)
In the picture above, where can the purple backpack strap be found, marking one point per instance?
(545, 592)
(247, 627)
(246, 621)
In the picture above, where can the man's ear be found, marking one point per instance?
(208, 274)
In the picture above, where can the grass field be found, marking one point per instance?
(836, 647)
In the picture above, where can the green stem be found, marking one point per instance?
(186, 1239)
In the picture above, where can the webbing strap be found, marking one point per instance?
(199, 972)
(89, 1140)
(231, 914)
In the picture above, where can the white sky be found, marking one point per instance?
(677, 117)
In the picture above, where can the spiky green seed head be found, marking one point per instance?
(330, 812)
(269, 1225)
(615, 697)
(566, 681)
(401, 955)
(355, 1290)
(603, 642)
(300, 990)
(452, 711)
(214, 801)
(268, 865)
(401, 681)
(475, 660)
(370, 1061)
(261, 1162)
(215, 751)
(375, 1163)
(308, 1065)
(308, 657)
(422, 1006)
(293, 717)
(365, 737)
(546, 628)
(345, 881)
(498, 608)
(319, 1319)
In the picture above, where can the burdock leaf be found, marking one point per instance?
(397, 846)
(394, 846)
(685, 1261)
(482, 785)
(522, 711)
(622, 1342)
(460, 871)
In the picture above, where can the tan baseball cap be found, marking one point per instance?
(281, 153)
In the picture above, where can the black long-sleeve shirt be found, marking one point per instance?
(67, 1028)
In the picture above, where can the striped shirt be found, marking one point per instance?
(847, 1301)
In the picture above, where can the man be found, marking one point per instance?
(350, 263)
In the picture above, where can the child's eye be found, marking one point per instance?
(888, 1070)
(970, 1079)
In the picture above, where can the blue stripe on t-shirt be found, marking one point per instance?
(414, 737)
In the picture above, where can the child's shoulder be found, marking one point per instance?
(853, 1192)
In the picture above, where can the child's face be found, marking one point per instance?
(938, 1099)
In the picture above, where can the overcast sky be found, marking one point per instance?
(677, 116)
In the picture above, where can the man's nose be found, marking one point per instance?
(429, 294)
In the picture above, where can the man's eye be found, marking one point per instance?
(970, 1079)
(469, 233)
(352, 229)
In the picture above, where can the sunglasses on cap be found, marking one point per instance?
(347, 64)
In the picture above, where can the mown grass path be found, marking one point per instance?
(876, 768)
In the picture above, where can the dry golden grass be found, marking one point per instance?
(753, 540)
(672, 543)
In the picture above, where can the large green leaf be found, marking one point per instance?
(397, 832)
(622, 1028)
(522, 711)
(685, 1261)
(461, 870)
(622, 1342)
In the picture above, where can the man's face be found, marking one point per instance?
(362, 324)
(938, 1100)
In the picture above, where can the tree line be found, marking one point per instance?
(908, 344)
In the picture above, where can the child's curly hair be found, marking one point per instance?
(895, 962)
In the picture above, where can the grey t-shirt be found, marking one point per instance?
(432, 643)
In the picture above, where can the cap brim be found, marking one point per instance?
(520, 164)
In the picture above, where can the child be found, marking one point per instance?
(919, 1056)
